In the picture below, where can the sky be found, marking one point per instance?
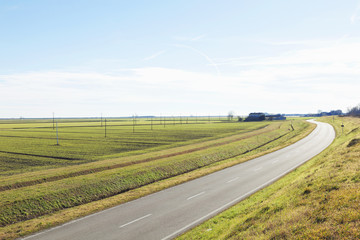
(88, 58)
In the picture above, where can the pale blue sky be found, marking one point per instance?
(84, 58)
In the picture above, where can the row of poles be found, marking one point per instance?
(162, 122)
(134, 123)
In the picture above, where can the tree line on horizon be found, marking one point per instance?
(354, 111)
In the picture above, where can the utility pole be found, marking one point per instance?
(133, 123)
(151, 124)
(105, 127)
(57, 135)
(53, 120)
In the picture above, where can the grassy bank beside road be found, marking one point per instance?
(36, 200)
(319, 200)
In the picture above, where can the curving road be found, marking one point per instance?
(166, 214)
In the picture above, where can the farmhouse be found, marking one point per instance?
(275, 117)
(255, 117)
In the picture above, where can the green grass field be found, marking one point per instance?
(31, 144)
(319, 200)
(87, 169)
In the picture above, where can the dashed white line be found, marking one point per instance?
(257, 169)
(275, 161)
(223, 207)
(195, 196)
(232, 180)
(136, 220)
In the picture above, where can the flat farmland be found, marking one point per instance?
(43, 184)
(32, 144)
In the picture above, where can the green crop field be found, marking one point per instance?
(32, 144)
(43, 184)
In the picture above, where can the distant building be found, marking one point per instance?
(331, 113)
(275, 117)
(255, 117)
(336, 112)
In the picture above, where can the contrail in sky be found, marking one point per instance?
(202, 54)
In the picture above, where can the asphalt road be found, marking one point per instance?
(166, 214)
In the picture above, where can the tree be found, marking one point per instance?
(230, 115)
(354, 111)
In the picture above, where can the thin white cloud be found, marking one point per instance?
(298, 81)
(197, 38)
(287, 89)
(355, 16)
(209, 59)
(290, 42)
(189, 39)
(340, 51)
(155, 55)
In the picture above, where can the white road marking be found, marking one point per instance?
(195, 196)
(225, 206)
(234, 179)
(275, 161)
(257, 169)
(136, 220)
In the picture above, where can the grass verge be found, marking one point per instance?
(319, 200)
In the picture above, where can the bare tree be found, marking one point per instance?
(230, 115)
(354, 111)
